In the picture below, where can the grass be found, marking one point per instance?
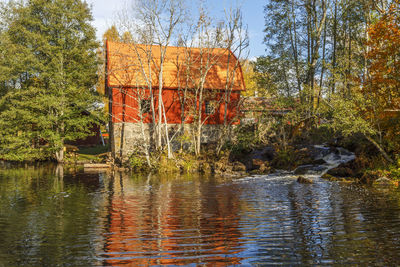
(95, 150)
(90, 154)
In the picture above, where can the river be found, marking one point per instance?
(51, 217)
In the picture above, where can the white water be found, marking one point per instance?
(315, 172)
(333, 160)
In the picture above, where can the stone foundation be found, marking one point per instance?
(129, 137)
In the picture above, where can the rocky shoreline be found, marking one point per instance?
(301, 160)
(305, 160)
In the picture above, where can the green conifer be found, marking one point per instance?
(48, 52)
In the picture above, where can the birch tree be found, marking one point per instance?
(155, 23)
(236, 42)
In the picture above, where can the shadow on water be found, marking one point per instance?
(53, 216)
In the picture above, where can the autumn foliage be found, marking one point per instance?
(384, 56)
(382, 88)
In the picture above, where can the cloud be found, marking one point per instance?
(105, 12)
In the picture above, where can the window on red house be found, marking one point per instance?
(145, 106)
(209, 108)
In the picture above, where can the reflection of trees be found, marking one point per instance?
(345, 224)
(321, 215)
(47, 219)
(304, 221)
(170, 221)
(370, 227)
(291, 223)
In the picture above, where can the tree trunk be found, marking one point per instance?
(160, 100)
(169, 149)
(293, 43)
(146, 143)
(333, 89)
(60, 154)
(349, 63)
(323, 68)
(122, 136)
(199, 123)
(381, 150)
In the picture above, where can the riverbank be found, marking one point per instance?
(367, 167)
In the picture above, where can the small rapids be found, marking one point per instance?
(332, 158)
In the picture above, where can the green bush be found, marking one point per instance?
(245, 140)
(285, 159)
(138, 163)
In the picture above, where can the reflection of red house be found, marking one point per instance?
(131, 69)
(167, 227)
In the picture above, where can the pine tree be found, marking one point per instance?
(50, 78)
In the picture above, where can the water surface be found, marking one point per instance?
(54, 217)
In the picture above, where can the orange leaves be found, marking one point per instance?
(384, 59)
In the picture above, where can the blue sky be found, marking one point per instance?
(105, 13)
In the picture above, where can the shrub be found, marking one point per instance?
(285, 159)
(138, 163)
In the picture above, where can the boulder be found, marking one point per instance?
(239, 167)
(224, 171)
(314, 152)
(268, 153)
(253, 164)
(341, 172)
(336, 179)
(264, 168)
(328, 177)
(303, 180)
(304, 156)
(317, 169)
(257, 166)
(265, 154)
(383, 181)
(257, 163)
(345, 152)
(319, 162)
(303, 169)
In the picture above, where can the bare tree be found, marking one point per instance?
(209, 37)
(236, 42)
(155, 23)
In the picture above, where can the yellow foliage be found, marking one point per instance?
(250, 80)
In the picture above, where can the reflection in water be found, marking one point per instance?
(171, 222)
(51, 216)
(47, 219)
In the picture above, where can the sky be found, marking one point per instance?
(105, 13)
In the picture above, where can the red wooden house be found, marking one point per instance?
(132, 82)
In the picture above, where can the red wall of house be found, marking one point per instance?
(125, 106)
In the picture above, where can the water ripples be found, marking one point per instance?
(120, 220)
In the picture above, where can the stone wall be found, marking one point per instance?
(129, 137)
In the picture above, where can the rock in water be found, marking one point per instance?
(343, 170)
(319, 162)
(303, 180)
(239, 167)
(383, 181)
(303, 169)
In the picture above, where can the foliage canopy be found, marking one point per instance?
(48, 54)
